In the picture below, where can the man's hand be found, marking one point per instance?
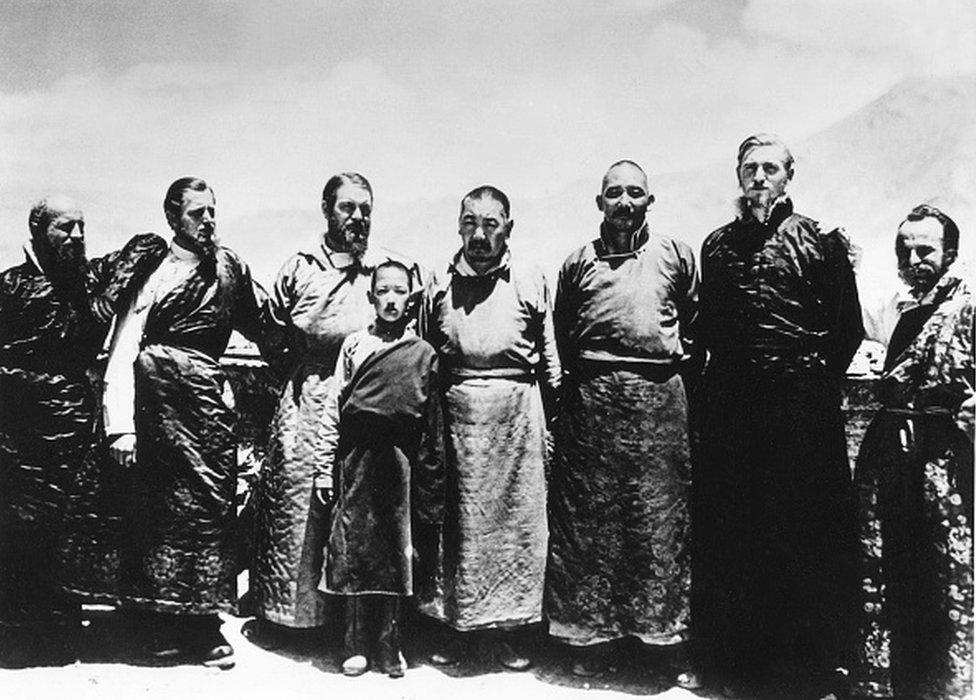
(123, 450)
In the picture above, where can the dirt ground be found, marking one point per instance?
(306, 665)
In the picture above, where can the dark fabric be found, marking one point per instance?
(774, 575)
(619, 559)
(51, 330)
(384, 479)
(914, 480)
(773, 582)
(779, 295)
(373, 627)
(180, 507)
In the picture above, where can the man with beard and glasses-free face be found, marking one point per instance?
(168, 425)
(55, 310)
(773, 578)
(619, 563)
(490, 320)
(320, 296)
(914, 479)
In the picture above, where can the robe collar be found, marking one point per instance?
(781, 210)
(460, 266)
(638, 239)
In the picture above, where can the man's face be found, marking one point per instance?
(763, 175)
(348, 219)
(65, 232)
(922, 259)
(484, 229)
(196, 226)
(624, 199)
(390, 294)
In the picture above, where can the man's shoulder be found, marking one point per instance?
(715, 237)
(585, 252)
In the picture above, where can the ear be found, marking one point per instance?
(599, 202)
(949, 257)
(508, 227)
(650, 199)
(172, 220)
(371, 296)
(325, 209)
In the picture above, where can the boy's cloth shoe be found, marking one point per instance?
(355, 665)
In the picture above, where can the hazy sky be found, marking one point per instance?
(111, 101)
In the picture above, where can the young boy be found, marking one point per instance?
(388, 476)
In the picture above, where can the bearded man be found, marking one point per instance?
(55, 310)
(319, 297)
(914, 479)
(773, 578)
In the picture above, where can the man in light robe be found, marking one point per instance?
(490, 320)
(619, 563)
(168, 424)
(320, 296)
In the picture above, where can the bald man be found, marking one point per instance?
(55, 310)
(618, 502)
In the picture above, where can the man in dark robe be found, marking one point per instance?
(167, 422)
(914, 480)
(773, 573)
(55, 310)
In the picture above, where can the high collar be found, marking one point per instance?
(945, 285)
(781, 210)
(336, 260)
(31, 255)
(638, 239)
(182, 252)
(460, 265)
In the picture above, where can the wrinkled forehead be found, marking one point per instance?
(196, 199)
(768, 153)
(483, 207)
(927, 231)
(624, 175)
(352, 192)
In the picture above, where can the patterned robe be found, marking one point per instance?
(494, 337)
(319, 298)
(179, 554)
(58, 520)
(914, 479)
(619, 562)
(774, 574)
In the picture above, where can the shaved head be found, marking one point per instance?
(51, 207)
(623, 165)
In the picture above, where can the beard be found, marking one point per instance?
(351, 237)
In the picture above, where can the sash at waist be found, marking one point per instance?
(514, 373)
(657, 372)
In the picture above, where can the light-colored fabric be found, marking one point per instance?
(118, 408)
(319, 299)
(495, 532)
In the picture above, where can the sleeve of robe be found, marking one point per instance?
(277, 345)
(252, 309)
(427, 481)
(686, 302)
(839, 293)
(117, 275)
(328, 427)
(564, 310)
(549, 372)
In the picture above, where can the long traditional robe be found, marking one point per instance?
(494, 337)
(388, 468)
(773, 565)
(319, 298)
(179, 556)
(914, 479)
(56, 524)
(619, 562)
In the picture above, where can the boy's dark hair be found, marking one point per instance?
(396, 264)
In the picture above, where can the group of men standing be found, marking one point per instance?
(599, 472)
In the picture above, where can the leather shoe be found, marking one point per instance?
(510, 659)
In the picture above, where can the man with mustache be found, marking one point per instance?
(168, 425)
(619, 563)
(320, 296)
(773, 584)
(55, 310)
(914, 479)
(490, 320)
